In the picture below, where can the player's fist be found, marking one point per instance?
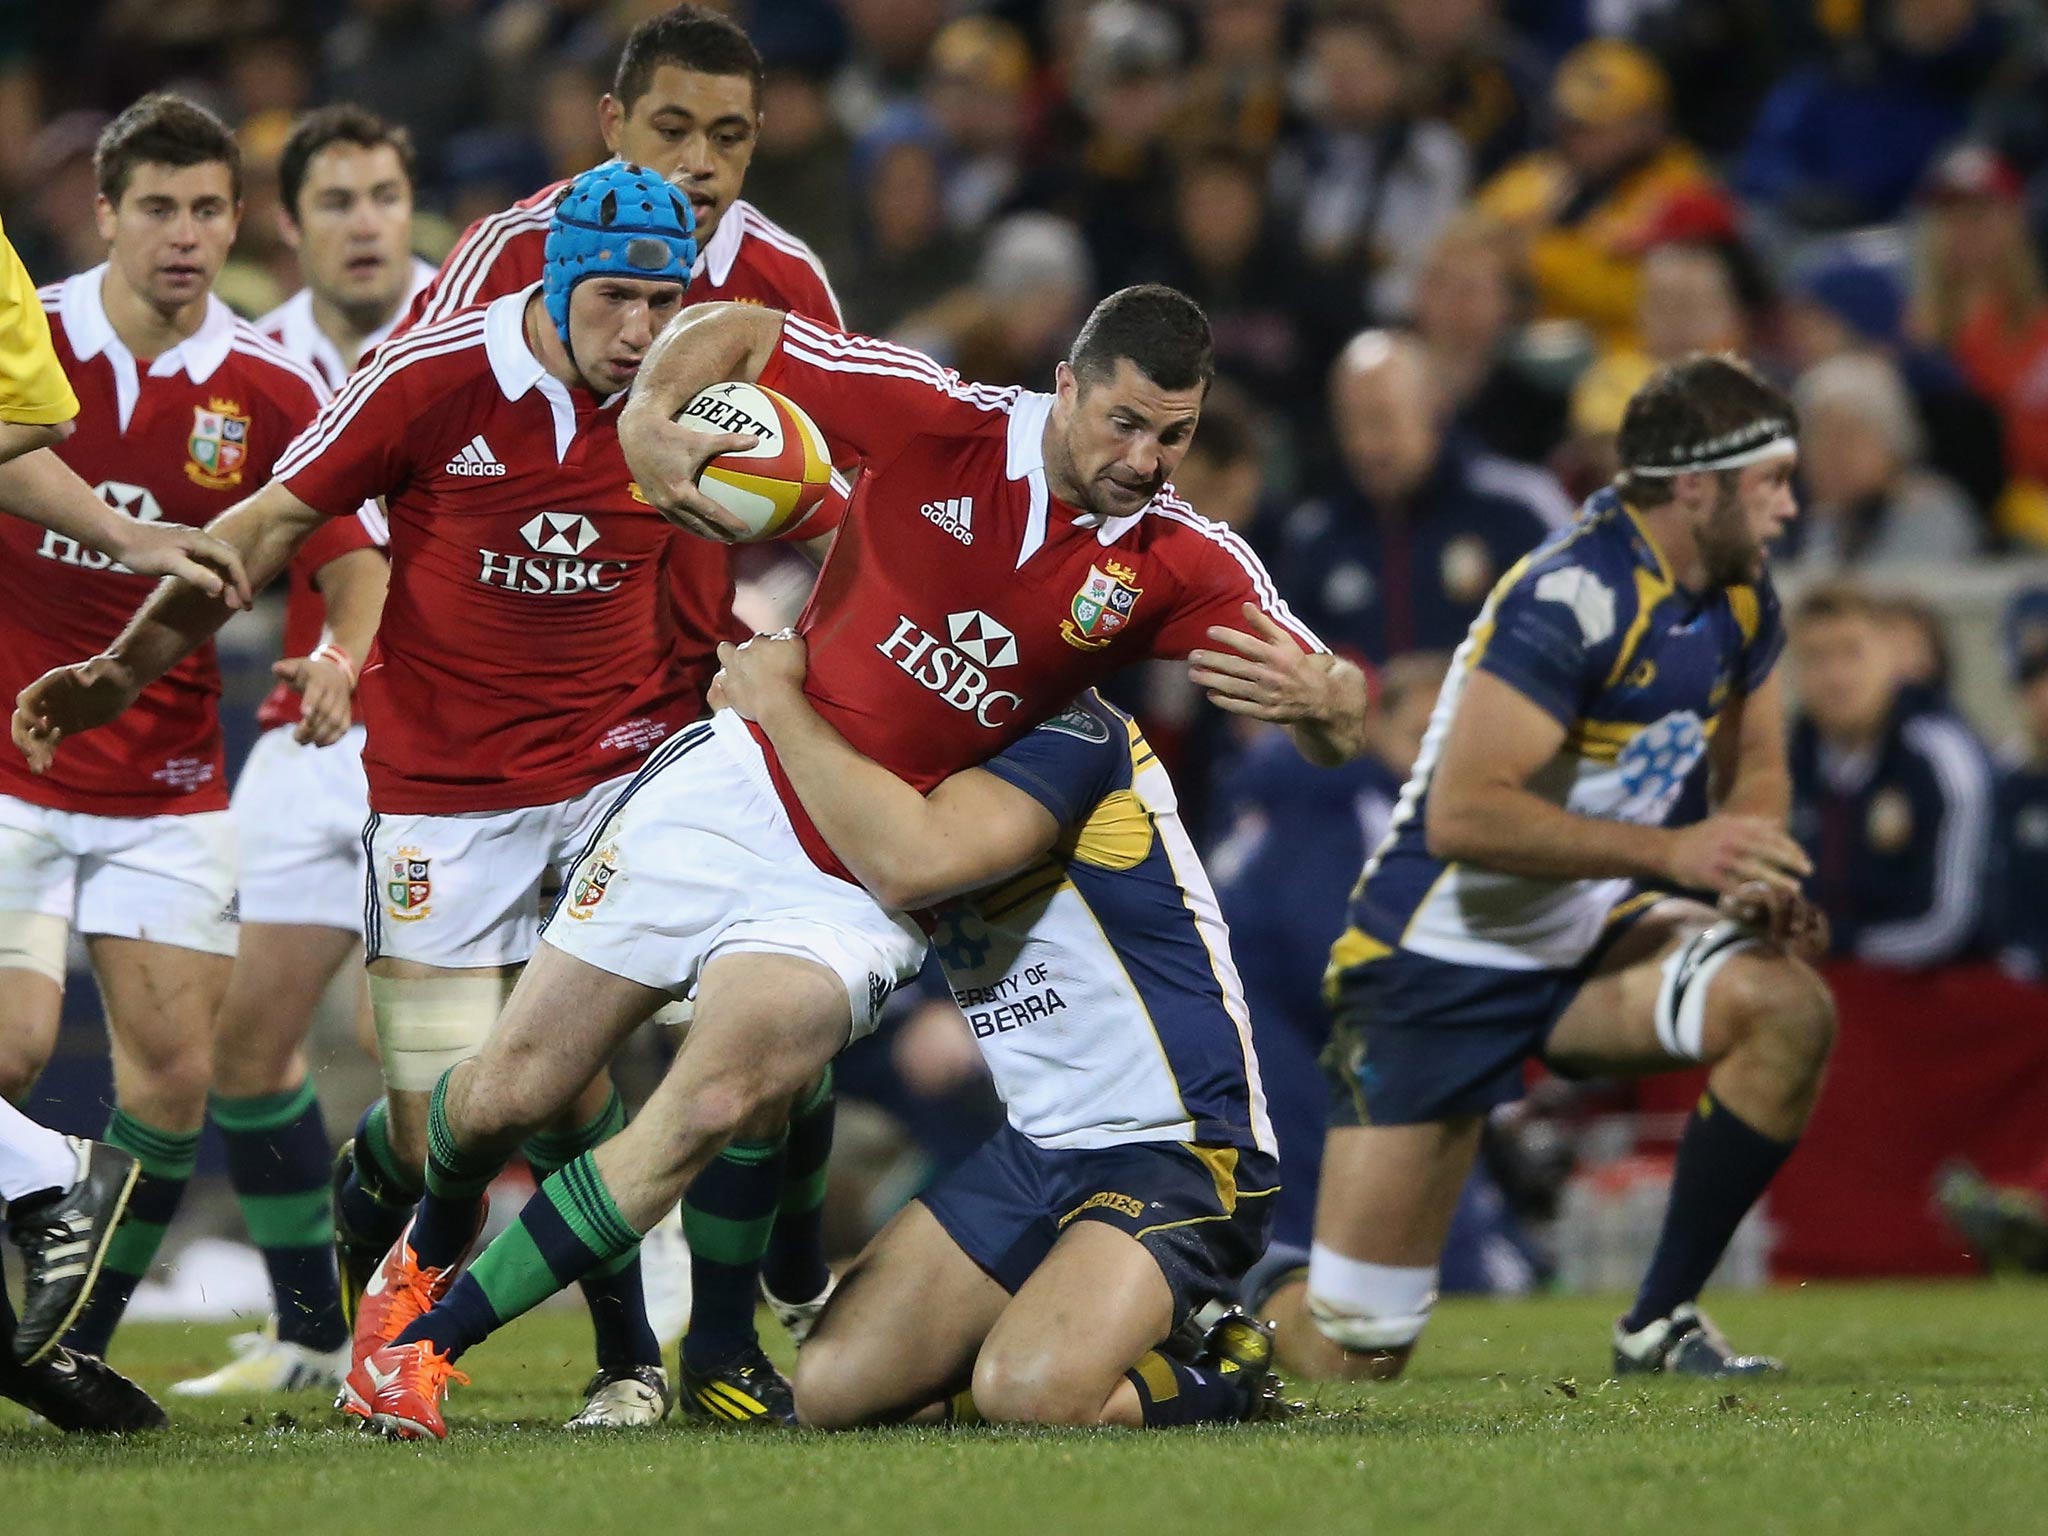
(755, 676)
(666, 457)
(1724, 852)
(326, 698)
(67, 700)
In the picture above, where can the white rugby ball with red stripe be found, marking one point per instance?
(775, 485)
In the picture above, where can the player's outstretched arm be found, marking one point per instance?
(1481, 811)
(43, 489)
(352, 587)
(1263, 673)
(706, 344)
(175, 620)
(909, 850)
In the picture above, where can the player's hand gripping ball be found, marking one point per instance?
(774, 486)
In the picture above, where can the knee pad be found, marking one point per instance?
(426, 1024)
(1689, 971)
(1368, 1307)
(34, 941)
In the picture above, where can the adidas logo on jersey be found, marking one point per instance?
(476, 460)
(955, 514)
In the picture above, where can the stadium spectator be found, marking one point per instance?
(1844, 142)
(1847, 296)
(1369, 184)
(1981, 294)
(1276, 319)
(413, 63)
(1587, 205)
(1108, 165)
(1236, 86)
(53, 227)
(888, 43)
(1031, 287)
(802, 173)
(1891, 793)
(1473, 73)
(2019, 913)
(909, 258)
(1921, 658)
(973, 104)
(1400, 553)
(1468, 303)
(1872, 501)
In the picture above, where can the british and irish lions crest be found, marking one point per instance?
(219, 445)
(593, 879)
(1102, 606)
(408, 885)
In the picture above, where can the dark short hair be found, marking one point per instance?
(1690, 409)
(162, 129)
(689, 37)
(1160, 329)
(342, 123)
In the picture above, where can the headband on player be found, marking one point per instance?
(616, 220)
(1766, 439)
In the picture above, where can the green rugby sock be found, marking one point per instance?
(167, 1159)
(277, 1162)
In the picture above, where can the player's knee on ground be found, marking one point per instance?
(1035, 1385)
(1375, 1311)
(834, 1384)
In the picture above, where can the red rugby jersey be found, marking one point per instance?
(526, 652)
(962, 602)
(180, 439)
(292, 326)
(750, 259)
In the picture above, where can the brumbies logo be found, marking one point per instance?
(407, 885)
(592, 881)
(219, 444)
(1101, 607)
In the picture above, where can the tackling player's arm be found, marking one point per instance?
(909, 850)
(42, 489)
(1481, 811)
(352, 587)
(176, 619)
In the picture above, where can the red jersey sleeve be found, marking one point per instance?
(336, 537)
(870, 398)
(1218, 574)
(354, 450)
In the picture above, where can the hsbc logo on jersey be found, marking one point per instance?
(959, 672)
(134, 500)
(556, 568)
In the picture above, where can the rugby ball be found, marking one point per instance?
(775, 485)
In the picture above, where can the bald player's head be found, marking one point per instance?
(1387, 410)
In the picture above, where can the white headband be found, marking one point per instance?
(1771, 448)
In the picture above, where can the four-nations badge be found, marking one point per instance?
(1101, 607)
(219, 444)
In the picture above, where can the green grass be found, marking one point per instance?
(1910, 1409)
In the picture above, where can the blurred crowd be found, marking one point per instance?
(1440, 242)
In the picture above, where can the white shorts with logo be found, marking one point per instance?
(300, 813)
(469, 889)
(167, 879)
(699, 859)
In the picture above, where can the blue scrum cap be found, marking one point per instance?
(616, 220)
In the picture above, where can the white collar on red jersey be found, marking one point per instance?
(90, 333)
(294, 328)
(1024, 459)
(519, 371)
(723, 248)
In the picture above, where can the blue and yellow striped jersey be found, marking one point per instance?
(1098, 981)
(1591, 628)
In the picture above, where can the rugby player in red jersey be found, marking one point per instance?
(129, 842)
(935, 642)
(525, 666)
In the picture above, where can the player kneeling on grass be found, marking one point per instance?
(1035, 1283)
(1500, 918)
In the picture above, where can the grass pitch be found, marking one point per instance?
(1909, 1409)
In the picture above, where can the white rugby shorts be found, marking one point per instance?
(299, 810)
(468, 889)
(698, 859)
(167, 879)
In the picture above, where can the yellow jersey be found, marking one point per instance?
(33, 389)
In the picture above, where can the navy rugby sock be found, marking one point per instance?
(167, 1159)
(377, 1197)
(728, 1211)
(1724, 1165)
(277, 1151)
(1171, 1393)
(794, 1266)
